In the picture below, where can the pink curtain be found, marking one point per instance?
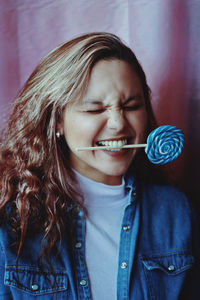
(163, 34)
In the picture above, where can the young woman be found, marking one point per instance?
(89, 224)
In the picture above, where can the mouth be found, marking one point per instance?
(115, 144)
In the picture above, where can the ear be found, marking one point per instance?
(60, 128)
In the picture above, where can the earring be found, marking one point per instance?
(58, 134)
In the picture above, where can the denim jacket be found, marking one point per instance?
(158, 254)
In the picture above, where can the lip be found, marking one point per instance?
(120, 153)
(128, 138)
(117, 154)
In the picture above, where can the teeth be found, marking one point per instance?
(115, 144)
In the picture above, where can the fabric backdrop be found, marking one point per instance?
(163, 34)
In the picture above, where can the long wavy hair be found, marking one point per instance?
(36, 182)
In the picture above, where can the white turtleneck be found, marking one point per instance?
(105, 205)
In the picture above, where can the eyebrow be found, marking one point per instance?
(92, 101)
(135, 97)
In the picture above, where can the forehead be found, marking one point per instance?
(110, 67)
(112, 77)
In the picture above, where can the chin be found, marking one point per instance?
(116, 172)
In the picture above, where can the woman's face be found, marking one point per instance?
(113, 109)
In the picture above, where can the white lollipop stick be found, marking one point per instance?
(110, 147)
(164, 144)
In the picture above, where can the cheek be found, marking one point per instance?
(80, 131)
(142, 122)
(139, 121)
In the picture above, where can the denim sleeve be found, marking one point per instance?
(169, 222)
(191, 288)
(5, 293)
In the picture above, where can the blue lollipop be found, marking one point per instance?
(164, 144)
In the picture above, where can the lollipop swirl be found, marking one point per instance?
(164, 144)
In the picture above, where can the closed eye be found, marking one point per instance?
(95, 111)
(133, 107)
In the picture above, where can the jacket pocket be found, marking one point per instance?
(32, 281)
(166, 273)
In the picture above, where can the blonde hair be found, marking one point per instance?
(35, 175)
(63, 75)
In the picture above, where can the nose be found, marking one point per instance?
(116, 119)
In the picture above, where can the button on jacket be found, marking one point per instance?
(158, 254)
